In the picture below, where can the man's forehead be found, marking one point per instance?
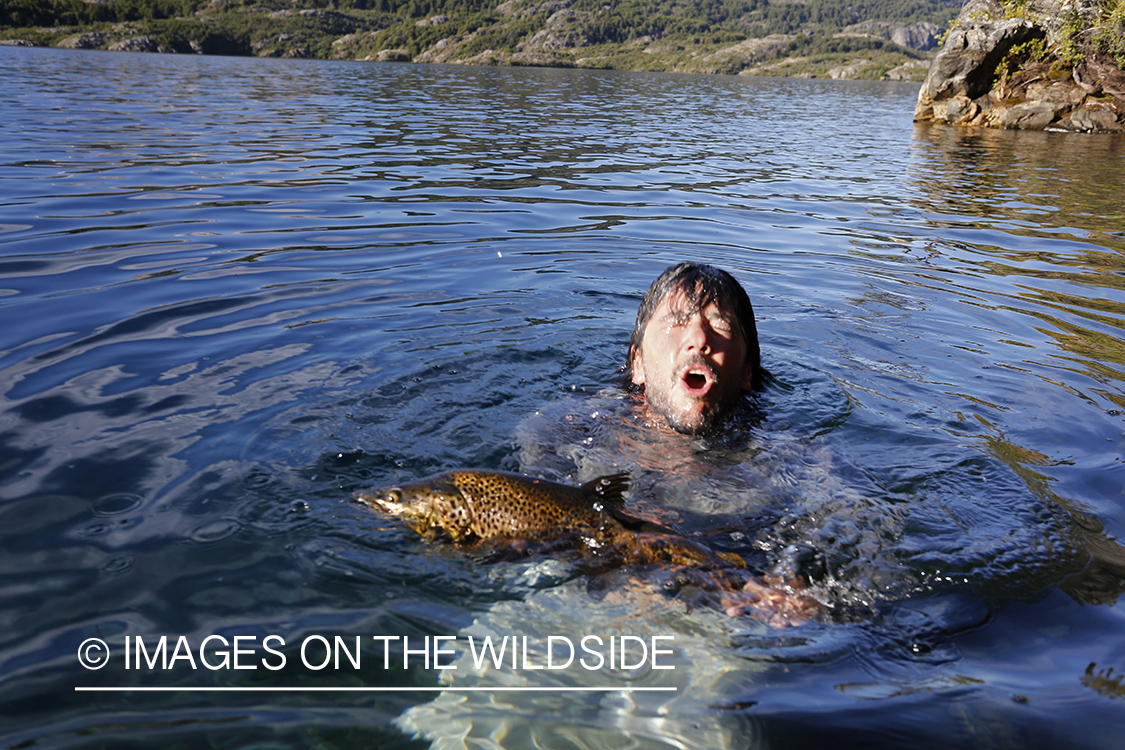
(678, 301)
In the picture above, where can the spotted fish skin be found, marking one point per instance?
(469, 505)
(472, 506)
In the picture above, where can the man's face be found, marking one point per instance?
(692, 363)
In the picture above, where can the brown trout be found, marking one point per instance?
(474, 505)
(482, 505)
(470, 506)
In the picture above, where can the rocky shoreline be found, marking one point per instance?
(1026, 72)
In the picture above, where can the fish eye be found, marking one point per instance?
(394, 496)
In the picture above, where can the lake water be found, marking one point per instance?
(235, 291)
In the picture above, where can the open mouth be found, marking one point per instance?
(697, 381)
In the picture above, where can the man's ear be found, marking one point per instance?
(748, 377)
(638, 368)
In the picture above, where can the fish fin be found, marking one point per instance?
(637, 524)
(611, 488)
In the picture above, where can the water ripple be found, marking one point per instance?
(238, 290)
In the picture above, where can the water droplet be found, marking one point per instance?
(118, 564)
(117, 503)
(214, 531)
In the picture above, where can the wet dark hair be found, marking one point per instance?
(702, 285)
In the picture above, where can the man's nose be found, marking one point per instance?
(696, 335)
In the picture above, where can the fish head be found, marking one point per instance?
(425, 505)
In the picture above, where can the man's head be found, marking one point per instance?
(694, 348)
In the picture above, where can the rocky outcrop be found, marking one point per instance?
(920, 36)
(140, 43)
(1003, 72)
(87, 40)
(911, 70)
(562, 31)
(848, 70)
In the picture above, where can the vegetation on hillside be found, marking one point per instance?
(786, 37)
(1088, 34)
(1099, 32)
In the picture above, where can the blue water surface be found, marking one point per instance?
(235, 291)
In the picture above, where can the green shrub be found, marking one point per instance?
(1109, 36)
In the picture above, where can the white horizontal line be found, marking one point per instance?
(115, 689)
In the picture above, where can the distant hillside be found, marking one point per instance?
(837, 38)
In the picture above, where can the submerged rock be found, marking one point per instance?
(1020, 72)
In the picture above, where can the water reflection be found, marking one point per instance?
(1056, 183)
(1066, 187)
(1100, 578)
(904, 567)
(246, 288)
(699, 671)
(1103, 681)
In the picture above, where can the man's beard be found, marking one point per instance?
(685, 421)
